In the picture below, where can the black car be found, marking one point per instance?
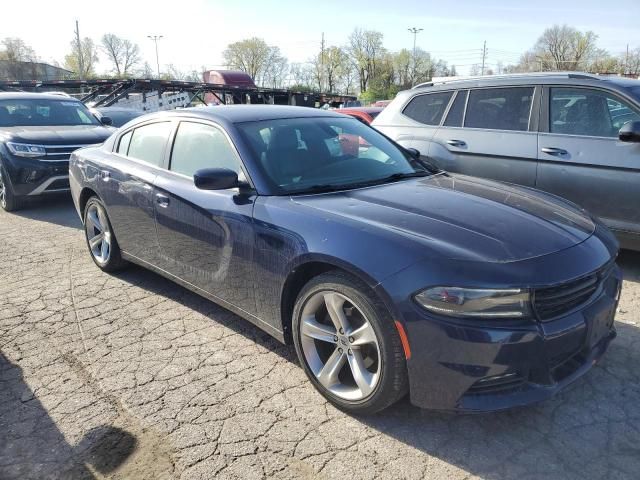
(387, 274)
(38, 132)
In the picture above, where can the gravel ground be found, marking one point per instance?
(130, 376)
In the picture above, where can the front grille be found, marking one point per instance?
(554, 301)
(57, 153)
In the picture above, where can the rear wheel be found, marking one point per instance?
(348, 345)
(101, 241)
(8, 200)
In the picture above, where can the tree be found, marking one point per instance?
(365, 48)
(565, 48)
(631, 62)
(275, 69)
(454, 72)
(86, 54)
(123, 54)
(15, 50)
(250, 56)
(302, 76)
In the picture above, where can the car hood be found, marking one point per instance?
(464, 218)
(57, 135)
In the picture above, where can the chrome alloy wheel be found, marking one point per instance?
(98, 234)
(340, 346)
(3, 192)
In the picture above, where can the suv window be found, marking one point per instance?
(588, 112)
(428, 109)
(499, 108)
(456, 112)
(200, 146)
(147, 142)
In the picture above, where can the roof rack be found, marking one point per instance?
(512, 76)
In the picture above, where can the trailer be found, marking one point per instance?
(154, 94)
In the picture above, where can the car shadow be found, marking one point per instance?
(32, 446)
(159, 285)
(629, 261)
(56, 209)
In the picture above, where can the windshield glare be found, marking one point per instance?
(302, 154)
(41, 112)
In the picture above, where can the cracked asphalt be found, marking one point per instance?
(130, 376)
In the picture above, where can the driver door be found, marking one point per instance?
(206, 237)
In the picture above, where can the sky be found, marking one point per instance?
(195, 33)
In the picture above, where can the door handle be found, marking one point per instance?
(105, 175)
(162, 200)
(554, 151)
(457, 143)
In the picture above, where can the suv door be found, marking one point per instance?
(491, 133)
(581, 157)
(206, 237)
(127, 178)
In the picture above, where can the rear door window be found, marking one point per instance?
(148, 143)
(429, 108)
(588, 112)
(499, 108)
(456, 112)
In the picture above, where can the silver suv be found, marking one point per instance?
(571, 134)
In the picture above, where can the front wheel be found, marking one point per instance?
(348, 344)
(8, 200)
(101, 241)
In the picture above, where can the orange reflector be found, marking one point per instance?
(404, 340)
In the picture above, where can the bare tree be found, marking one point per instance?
(122, 53)
(366, 49)
(86, 55)
(275, 70)
(19, 59)
(565, 48)
(631, 62)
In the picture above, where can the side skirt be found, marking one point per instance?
(277, 334)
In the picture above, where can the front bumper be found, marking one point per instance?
(476, 369)
(477, 366)
(31, 177)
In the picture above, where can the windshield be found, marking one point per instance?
(40, 112)
(300, 155)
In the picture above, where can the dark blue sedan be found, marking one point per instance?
(388, 275)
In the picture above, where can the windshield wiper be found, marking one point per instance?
(327, 187)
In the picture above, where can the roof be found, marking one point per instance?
(35, 96)
(527, 78)
(250, 113)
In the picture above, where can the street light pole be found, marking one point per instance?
(415, 32)
(155, 38)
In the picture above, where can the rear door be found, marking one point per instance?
(491, 133)
(581, 157)
(127, 186)
(420, 120)
(206, 237)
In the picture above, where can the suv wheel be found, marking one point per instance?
(8, 201)
(101, 241)
(348, 345)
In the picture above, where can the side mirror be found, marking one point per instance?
(215, 179)
(106, 121)
(630, 132)
(415, 153)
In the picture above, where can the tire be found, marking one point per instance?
(377, 360)
(101, 241)
(8, 200)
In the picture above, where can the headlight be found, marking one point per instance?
(471, 302)
(26, 150)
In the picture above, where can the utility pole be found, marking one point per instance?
(321, 76)
(415, 32)
(626, 61)
(155, 38)
(80, 56)
(484, 57)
